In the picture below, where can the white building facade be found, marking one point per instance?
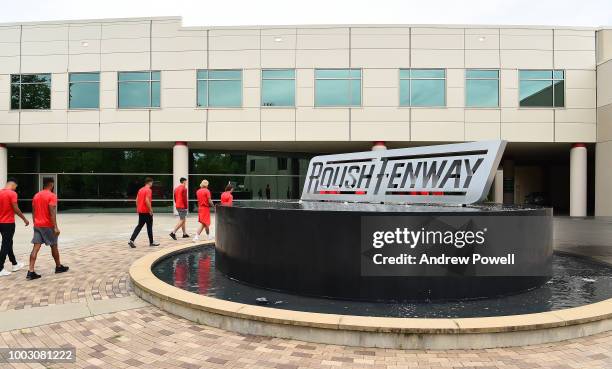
(290, 92)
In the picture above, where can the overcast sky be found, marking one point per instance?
(276, 12)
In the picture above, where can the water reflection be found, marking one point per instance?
(575, 282)
(367, 207)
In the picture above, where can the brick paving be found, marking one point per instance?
(150, 338)
(97, 272)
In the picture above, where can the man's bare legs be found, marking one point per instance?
(59, 268)
(180, 225)
(56, 256)
(33, 256)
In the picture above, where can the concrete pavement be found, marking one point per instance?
(80, 229)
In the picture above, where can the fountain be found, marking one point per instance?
(393, 248)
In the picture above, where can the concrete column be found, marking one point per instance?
(578, 180)
(180, 163)
(379, 145)
(498, 187)
(3, 164)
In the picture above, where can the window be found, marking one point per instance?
(338, 87)
(30, 91)
(281, 163)
(278, 87)
(139, 89)
(542, 88)
(422, 87)
(482, 88)
(219, 88)
(84, 91)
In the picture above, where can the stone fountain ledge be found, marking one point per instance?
(361, 331)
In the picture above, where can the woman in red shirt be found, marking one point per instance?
(226, 197)
(204, 204)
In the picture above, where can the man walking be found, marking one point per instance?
(144, 208)
(8, 209)
(180, 203)
(44, 213)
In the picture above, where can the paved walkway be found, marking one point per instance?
(83, 229)
(93, 308)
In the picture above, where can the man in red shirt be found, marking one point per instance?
(8, 209)
(144, 208)
(44, 213)
(180, 203)
(226, 197)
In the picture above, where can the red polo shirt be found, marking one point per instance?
(180, 197)
(227, 198)
(141, 205)
(7, 199)
(40, 206)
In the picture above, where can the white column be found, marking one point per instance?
(498, 187)
(3, 164)
(180, 163)
(379, 145)
(578, 180)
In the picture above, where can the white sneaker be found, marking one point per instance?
(18, 266)
(4, 273)
(196, 238)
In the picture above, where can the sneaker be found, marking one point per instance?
(18, 266)
(32, 275)
(61, 269)
(186, 235)
(4, 273)
(131, 243)
(154, 244)
(196, 238)
(173, 236)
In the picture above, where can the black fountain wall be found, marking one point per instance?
(326, 250)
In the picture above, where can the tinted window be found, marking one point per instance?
(278, 87)
(542, 88)
(482, 88)
(338, 87)
(31, 91)
(422, 87)
(219, 88)
(84, 91)
(139, 89)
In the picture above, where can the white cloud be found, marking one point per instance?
(275, 12)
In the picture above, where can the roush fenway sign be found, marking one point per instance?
(449, 174)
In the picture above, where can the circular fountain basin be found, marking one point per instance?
(184, 280)
(575, 282)
(329, 249)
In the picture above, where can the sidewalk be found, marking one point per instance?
(81, 229)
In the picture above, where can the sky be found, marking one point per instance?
(293, 12)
